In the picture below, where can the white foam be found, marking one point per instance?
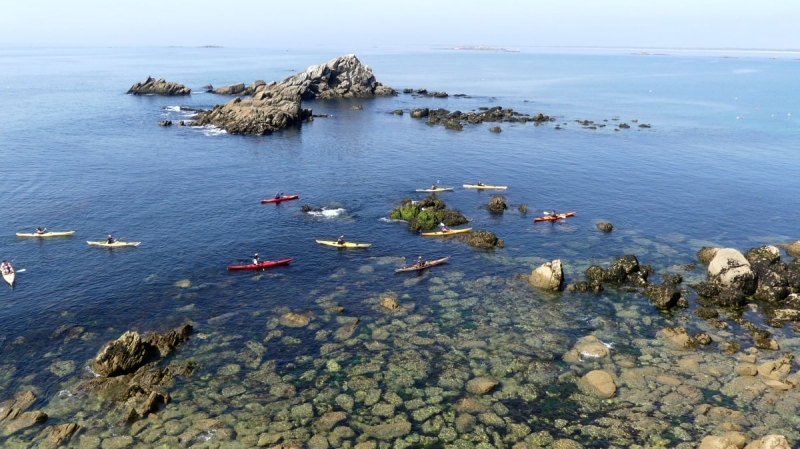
(210, 130)
(391, 220)
(172, 108)
(66, 393)
(327, 213)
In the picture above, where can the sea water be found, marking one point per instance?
(718, 166)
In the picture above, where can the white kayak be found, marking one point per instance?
(112, 245)
(46, 234)
(9, 277)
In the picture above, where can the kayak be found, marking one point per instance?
(445, 234)
(554, 217)
(283, 198)
(427, 264)
(262, 265)
(484, 186)
(9, 278)
(46, 234)
(117, 244)
(345, 244)
(438, 189)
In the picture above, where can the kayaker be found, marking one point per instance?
(5, 267)
(340, 240)
(553, 213)
(110, 239)
(39, 230)
(278, 195)
(255, 259)
(444, 228)
(479, 183)
(420, 263)
(433, 186)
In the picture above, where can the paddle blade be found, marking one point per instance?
(21, 271)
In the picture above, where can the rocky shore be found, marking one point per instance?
(460, 362)
(152, 86)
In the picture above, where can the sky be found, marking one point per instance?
(734, 24)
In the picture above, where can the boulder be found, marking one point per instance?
(389, 303)
(793, 248)
(482, 239)
(662, 296)
(397, 112)
(770, 442)
(598, 383)
(717, 442)
(233, 89)
(497, 205)
(420, 113)
(766, 255)
(167, 342)
(389, 431)
(426, 214)
(523, 208)
(121, 356)
(605, 226)
(495, 129)
(548, 276)
(59, 435)
(152, 86)
(706, 254)
(165, 123)
(277, 105)
(729, 268)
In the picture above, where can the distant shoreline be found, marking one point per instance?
(482, 48)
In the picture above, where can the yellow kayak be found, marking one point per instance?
(112, 245)
(444, 234)
(345, 244)
(46, 234)
(438, 189)
(484, 186)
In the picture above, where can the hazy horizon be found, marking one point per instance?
(626, 24)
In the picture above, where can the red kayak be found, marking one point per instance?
(283, 198)
(554, 217)
(260, 266)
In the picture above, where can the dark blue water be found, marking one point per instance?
(76, 153)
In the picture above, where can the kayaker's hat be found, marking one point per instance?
(255, 254)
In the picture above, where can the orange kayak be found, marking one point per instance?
(554, 217)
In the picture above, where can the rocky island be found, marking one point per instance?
(152, 86)
(277, 105)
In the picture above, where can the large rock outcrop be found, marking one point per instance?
(152, 86)
(426, 214)
(130, 351)
(277, 105)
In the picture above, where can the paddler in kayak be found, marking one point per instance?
(278, 195)
(340, 240)
(420, 263)
(479, 183)
(5, 267)
(39, 230)
(255, 259)
(444, 228)
(110, 239)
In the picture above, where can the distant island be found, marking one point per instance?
(482, 48)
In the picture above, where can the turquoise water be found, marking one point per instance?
(719, 166)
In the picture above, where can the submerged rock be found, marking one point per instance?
(152, 86)
(605, 226)
(598, 383)
(121, 356)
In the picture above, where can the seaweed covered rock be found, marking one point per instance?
(482, 239)
(662, 296)
(152, 86)
(605, 226)
(793, 248)
(497, 205)
(766, 255)
(426, 214)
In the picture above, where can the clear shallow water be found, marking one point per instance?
(77, 153)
